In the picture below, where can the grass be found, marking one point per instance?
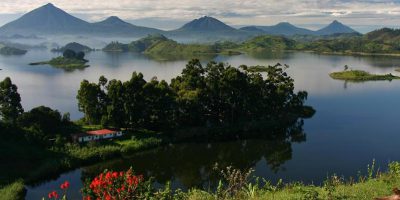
(14, 191)
(368, 187)
(359, 75)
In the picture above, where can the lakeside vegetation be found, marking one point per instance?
(383, 41)
(216, 100)
(69, 61)
(359, 75)
(234, 184)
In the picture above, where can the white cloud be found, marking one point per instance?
(231, 11)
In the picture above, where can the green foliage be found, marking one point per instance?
(46, 121)
(215, 95)
(143, 44)
(73, 46)
(394, 169)
(10, 101)
(69, 54)
(383, 41)
(116, 47)
(267, 42)
(358, 75)
(14, 191)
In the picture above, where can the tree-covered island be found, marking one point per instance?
(359, 76)
(70, 60)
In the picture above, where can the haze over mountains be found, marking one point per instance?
(50, 20)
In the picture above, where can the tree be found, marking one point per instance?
(134, 100)
(80, 55)
(91, 102)
(115, 107)
(10, 101)
(69, 54)
(45, 119)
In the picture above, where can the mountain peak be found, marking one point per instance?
(335, 27)
(46, 19)
(206, 23)
(49, 5)
(114, 19)
(286, 24)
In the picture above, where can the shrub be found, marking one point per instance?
(111, 185)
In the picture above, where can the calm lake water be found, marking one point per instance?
(354, 123)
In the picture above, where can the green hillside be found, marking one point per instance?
(116, 47)
(383, 41)
(267, 42)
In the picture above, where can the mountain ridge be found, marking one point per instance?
(51, 20)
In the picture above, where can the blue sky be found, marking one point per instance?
(169, 14)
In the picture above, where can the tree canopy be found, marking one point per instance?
(10, 101)
(212, 95)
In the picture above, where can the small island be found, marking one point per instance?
(6, 50)
(397, 70)
(359, 75)
(69, 61)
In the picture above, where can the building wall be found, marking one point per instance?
(98, 137)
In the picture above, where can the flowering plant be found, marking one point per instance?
(111, 185)
(54, 194)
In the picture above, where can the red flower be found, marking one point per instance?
(65, 185)
(53, 195)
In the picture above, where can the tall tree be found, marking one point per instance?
(115, 109)
(90, 102)
(134, 100)
(10, 101)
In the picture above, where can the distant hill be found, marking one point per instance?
(335, 27)
(206, 24)
(283, 28)
(208, 29)
(143, 44)
(160, 47)
(382, 41)
(385, 35)
(116, 26)
(287, 29)
(74, 46)
(116, 47)
(50, 20)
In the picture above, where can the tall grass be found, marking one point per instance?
(14, 191)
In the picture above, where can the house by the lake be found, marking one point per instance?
(97, 135)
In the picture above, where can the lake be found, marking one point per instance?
(354, 123)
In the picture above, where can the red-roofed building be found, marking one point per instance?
(97, 135)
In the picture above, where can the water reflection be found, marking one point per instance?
(191, 165)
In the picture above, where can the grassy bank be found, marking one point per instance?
(14, 191)
(374, 184)
(358, 75)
